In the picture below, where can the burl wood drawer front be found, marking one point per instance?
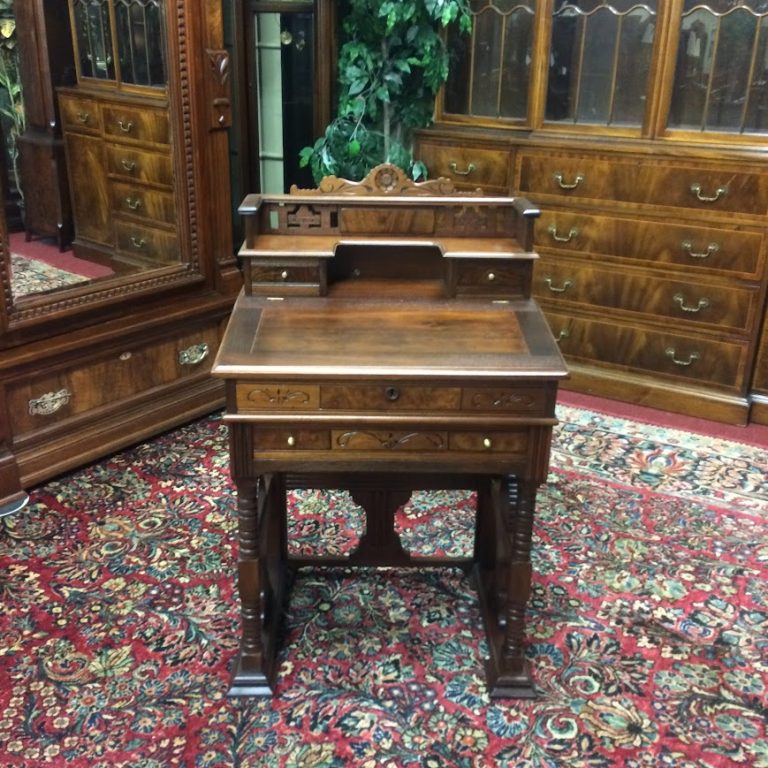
(79, 114)
(390, 397)
(276, 397)
(128, 163)
(690, 358)
(128, 123)
(146, 243)
(271, 278)
(104, 382)
(483, 277)
(145, 203)
(722, 308)
(654, 243)
(467, 166)
(531, 400)
(642, 180)
(291, 440)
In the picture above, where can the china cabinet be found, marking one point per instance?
(641, 129)
(105, 361)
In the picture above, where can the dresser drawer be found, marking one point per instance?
(487, 277)
(468, 166)
(79, 114)
(141, 165)
(694, 185)
(686, 247)
(54, 398)
(719, 308)
(147, 245)
(143, 202)
(388, 397)
(674, 356)
(140, 124)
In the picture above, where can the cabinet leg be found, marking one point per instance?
(503, 580)
(262, 584)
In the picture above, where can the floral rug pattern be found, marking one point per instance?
(647, 630)
(30, 276)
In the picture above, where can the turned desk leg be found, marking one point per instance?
(262, 584)
(503, 574)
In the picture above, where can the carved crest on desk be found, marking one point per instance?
(384, 179)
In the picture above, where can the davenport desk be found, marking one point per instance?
(385, 341)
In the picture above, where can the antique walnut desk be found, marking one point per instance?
(386, 341)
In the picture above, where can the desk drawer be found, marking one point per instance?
(486, 277)
(139, 165)
(267, 441)
(299, 277)
(253, 397)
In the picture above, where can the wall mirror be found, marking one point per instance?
(97, 180)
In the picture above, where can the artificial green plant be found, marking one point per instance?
(11, 100)
(392, 62)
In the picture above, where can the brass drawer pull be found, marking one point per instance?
(194, 354)
(559, 178)
(719, 192)
(128, 165)
(572, 232)
(83, 117)
(712, 249)
(125, 127)
(490, 277)
(284, 274)
(487, 443)
(680, 299)
(138, 244)
(454, 168)
(49, 403)
(291, 441)
(670, 353)
(557, 289)
(133, 203)
(564, 334)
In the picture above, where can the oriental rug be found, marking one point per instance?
(29, 276)
(647, 628)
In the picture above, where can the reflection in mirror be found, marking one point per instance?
(600, 61)
(721, 79)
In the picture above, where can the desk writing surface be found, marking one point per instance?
(326, 336)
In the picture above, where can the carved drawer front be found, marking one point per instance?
(145, 203)
(390, 397)
(504, 399)
(389, 440)
(79, 114)
(139, 165)
(104, 382)
(276, 397)
(467, 166)
(484, 277)
(140, 124)
(300, 277)
(722, 308)
(146, 245)
(721, 364)
(643, 180)
(654, 243)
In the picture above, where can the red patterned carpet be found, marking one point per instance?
(648, 626)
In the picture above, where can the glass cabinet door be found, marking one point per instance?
(599, 62)
(721, 74)
(141, 42)
(490, 70)
(93, 35)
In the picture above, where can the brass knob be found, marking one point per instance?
(291, 441)
(284, 274)
(491, 276)
(487, 442)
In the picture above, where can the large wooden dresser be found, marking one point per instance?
(654, 197)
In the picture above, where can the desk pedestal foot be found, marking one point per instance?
(248, 683)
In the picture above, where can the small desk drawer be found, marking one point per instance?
(304, 277)
(487, 277)
(389, 397)
(291, 440)
(146, 244)
(276, 397)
